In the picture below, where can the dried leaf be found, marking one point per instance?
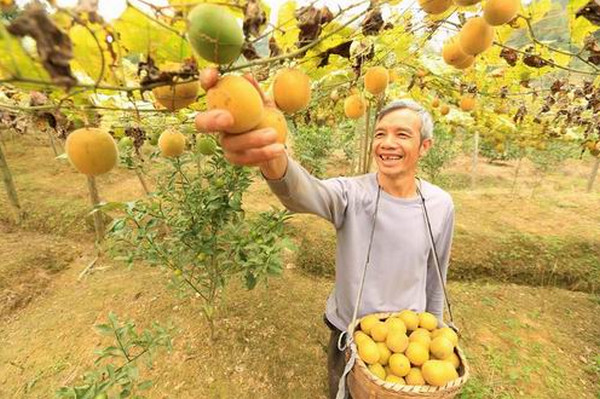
(254, 18)
(520, 115)
(373, 21)
(151, 74)
(591, 12)
(534, 61)
(274, 49)
(342, 49)
(249, 52)
(53, 45)
(510, 56)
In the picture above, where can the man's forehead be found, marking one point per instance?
(402, 117)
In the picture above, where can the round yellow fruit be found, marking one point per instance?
(377, 370)
(428, 321)
(435, 6)
(360, 336)
(448, 333)
(275, 119)
(498, 12)
(441, 347)
(452, 53)
(396, 341)
(384, 353)
(368, 351)
(445, 109)
(394, 379)
(379, 331)
(367, 323)
(376, 80)
(414, 377)
(454, 359)
(238, 96)
(92, 151)
(467, 62)
(422, 338)
(171, 143)
(466, 3)
(177, 95)
(438, 372)
(417, 353)
(476, 36)
(395, 324)
(410, 319)
(468, 103)
(355, 106)
(291, 90)
(399, 364)
(435, 103)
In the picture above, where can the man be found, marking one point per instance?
(401, 272)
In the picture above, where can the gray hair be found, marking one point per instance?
(424, 115)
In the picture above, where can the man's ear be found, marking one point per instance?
(425, 146)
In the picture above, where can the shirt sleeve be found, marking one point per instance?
(301, 192)
(435, 291)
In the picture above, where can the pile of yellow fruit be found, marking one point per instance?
(408, 348)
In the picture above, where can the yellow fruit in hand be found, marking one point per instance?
(367, 322)
(410, 319)
(428, 321)
(171, 143)
(384, 353)
(368, 351)
(275, 119)
(417, 353)
(395, 324)
(91, 151)
(238, 96)
(379, 331)
(441, 347)
(399, 364)
(414, 377)
(394, 379)
(377, 370)
(438, 372)
(291, 90)
(396, 341)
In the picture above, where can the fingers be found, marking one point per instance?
(246, 141)
(209, 77)
(255, 156)
(212, 121)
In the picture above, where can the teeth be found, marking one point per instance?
(393, 158)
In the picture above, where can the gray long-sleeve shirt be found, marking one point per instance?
(401, 272)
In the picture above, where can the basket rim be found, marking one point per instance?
(452, 385)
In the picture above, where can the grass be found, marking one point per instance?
(520, 341)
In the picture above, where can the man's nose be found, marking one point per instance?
(389, 141)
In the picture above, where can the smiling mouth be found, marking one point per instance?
(391, 157)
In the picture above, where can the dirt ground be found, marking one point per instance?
(521, 341)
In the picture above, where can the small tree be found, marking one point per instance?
(195, 226)
(312, 146)
(441, 153)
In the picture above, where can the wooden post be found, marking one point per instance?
(13, 199)
(474, 160)
(95, 200)
(593, 175)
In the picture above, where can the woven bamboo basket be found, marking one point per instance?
(364, 385)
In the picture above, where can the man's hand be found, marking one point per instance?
(253, 148)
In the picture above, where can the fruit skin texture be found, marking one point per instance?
(399, 364)
(376, 80)
(441, 347)
(214, 33)
(367, 323)
(465, 3)
(444, 110)
(435, 6)
(452, 53)
(291, 90)
(377, 369)
(498, 12)
(275, 119)
(428, 321)
(476, 36)
(396, 341)
(355, 106)
(417, 353)
(238, 96)
(438, 372)
(410, 319)
(205, 145)
(414, 377)
(92, 151)
(171, 143)
(176, 96)
(368, 351)
(467, 103)
(467, 62)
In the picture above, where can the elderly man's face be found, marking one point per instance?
(397, 144)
